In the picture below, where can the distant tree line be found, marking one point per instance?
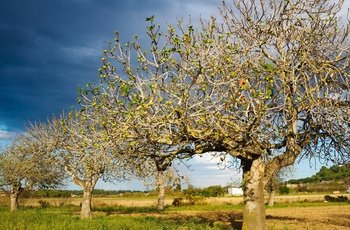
(211, 191)
(335, 172)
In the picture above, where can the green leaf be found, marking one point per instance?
(267, 66)
(150, 18)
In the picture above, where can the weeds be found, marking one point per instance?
(44, 204)
(190, 200)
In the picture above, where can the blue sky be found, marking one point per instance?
(48, 48)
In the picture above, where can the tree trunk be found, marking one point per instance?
(271, 197)
(161, 194)
(86, 203)
(14, 202)
(254, 207)
(88, 185)
(14, 194)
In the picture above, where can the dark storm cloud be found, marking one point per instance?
(47, 48)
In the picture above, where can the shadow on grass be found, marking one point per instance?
(283, 218)
(223, 219)
(119, 209)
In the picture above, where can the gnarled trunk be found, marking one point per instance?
(88, 185)
(14, 202)
(86, 203)
(254, 207)
(15, 191)
(161, 194)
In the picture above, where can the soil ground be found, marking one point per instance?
(328, 217)
(305, 218)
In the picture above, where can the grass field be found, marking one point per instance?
(290, 212)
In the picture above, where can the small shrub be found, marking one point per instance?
(196, 200)
(283, 190)
(44, 204)
(190, 200)
(335, 199)
(178, 201)
(302, 188)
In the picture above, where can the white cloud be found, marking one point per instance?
(6, 135)
(206, 172)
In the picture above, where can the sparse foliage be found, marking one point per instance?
(82, 146)
(25, 165)
(267, 83)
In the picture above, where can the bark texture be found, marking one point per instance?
(271, 198)
(14, 195)
(161, 195)
(254, 208)
(86, 203)
(14, 202)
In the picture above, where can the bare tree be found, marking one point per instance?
(274, 77)
(24, 165)
(267, 84)
(85, 150)
(138, 109)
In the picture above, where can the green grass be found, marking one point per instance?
(308, 204)
(123, 209)
(66, 218)
(124, 218)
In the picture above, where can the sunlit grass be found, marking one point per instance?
(123, 209)
(67, 218)
(115, 216)
(308, 204)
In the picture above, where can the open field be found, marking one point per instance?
(291, 213)
(152, 201)
(141, 202)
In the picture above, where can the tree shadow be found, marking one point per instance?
(283, 218)
(342, 220)
(225, 219)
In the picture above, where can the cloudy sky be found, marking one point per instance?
(48, 48)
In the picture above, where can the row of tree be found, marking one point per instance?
(264, 84)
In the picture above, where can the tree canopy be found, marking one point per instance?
(264, 83)
(267, 82)
(25, 165)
